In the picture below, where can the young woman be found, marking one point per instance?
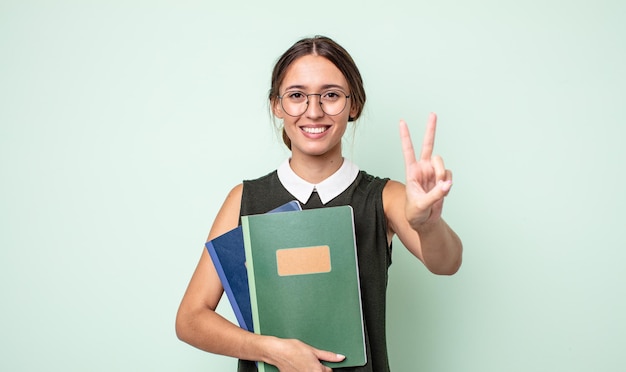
(316, 90)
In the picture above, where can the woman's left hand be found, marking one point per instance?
(427, 180)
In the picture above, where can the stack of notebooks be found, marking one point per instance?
(293, 273)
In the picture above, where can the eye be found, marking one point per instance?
(295, 96)
(331, 96)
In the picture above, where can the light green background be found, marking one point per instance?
(123, 125)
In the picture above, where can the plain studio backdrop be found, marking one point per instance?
(124, 124)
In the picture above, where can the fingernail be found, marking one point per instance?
(341, 356)
(445, 185)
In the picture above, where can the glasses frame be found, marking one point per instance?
(319, 100)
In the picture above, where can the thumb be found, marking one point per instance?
(328, 356)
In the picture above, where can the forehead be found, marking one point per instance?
(313, 72)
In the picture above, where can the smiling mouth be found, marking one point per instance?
(314, 130)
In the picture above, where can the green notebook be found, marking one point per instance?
(304, 280)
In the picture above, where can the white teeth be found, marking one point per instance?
(316, 130)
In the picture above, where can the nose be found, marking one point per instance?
(314, 107)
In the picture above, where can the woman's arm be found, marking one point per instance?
(414, 211)
(434, 243)
(199, 325)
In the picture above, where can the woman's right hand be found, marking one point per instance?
(296, 356)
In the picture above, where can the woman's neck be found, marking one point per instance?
(315, 169)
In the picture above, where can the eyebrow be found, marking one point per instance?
(324, 87)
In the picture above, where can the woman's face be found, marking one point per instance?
(314, 132)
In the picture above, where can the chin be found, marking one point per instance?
(318, 150)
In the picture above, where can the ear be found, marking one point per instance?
(353, 113)
(277, 110)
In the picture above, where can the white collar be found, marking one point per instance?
(327, 190)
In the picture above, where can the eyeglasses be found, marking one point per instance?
(295, 103)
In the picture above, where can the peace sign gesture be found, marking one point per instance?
(427, 180)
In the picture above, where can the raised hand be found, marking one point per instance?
(427, 180)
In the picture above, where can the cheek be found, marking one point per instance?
(288, 123)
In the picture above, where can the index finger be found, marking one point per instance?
(429, 137)
(407, 144)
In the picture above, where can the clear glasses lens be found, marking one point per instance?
(295, 103)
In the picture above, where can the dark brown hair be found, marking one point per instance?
(324, 47)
